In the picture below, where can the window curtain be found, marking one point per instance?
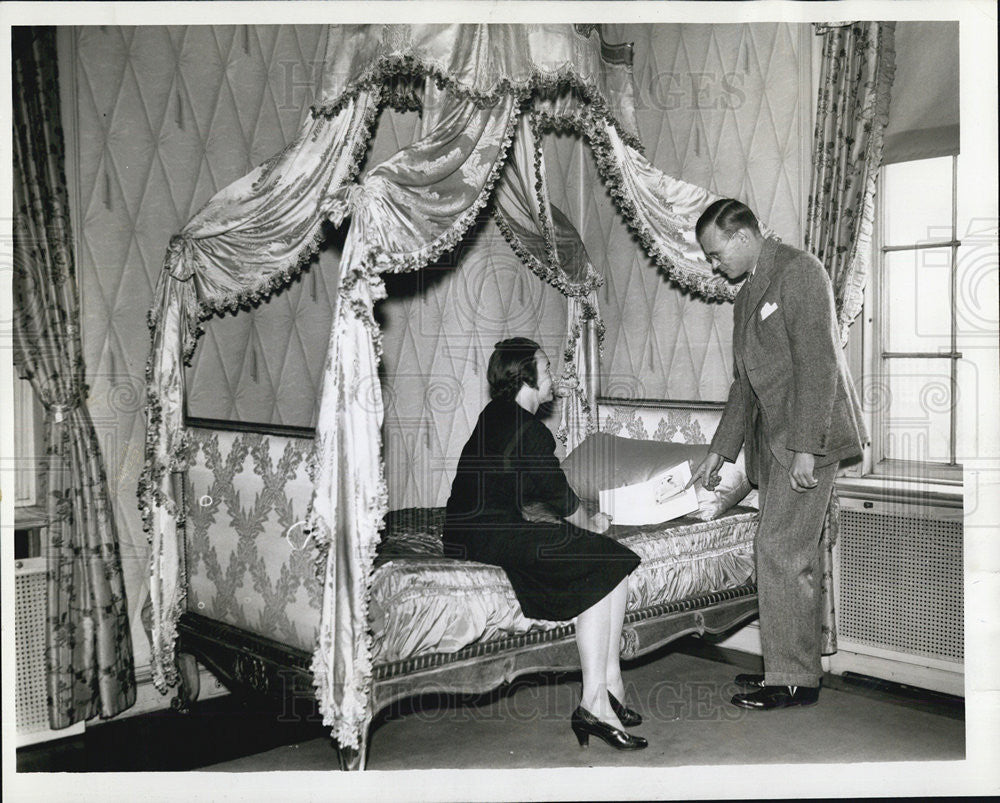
(851, 113)
(89, 664)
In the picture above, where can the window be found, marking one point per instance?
(913, 357)
(29, 444)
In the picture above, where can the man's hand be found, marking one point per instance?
(599, 522)
(707, 472)
(801, 473)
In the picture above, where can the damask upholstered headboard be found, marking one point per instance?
(659, 420)
(249, 562)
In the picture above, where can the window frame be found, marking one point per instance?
(29, 445)
(875, 317)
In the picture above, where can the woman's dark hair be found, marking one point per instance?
(729, 215)
(512, 364)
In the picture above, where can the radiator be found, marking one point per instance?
(30, 703)
(899, 594)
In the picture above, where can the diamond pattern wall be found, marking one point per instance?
(158, 119)
(440, 325)
(727, 107)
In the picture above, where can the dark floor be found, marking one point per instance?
(224, 730)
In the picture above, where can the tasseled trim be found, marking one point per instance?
(178, 265)
(593, 130)
(388, 70)
(380, 261)
(551, 273)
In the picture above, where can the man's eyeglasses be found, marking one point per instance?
(714, 259)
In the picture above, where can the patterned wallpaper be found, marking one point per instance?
(158, 119)
(727, 107)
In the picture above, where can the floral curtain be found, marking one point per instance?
(89, 663)
(851, 113)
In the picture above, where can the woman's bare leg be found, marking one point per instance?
(593, 628)
(613, 669)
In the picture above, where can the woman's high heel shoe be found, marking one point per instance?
(628, 717)
(584, 723)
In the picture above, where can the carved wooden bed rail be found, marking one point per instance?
(251, 664)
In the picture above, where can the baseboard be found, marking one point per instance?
(930, 674)
(148, 698)
(746, 639)
(25, 738)
(934, 675)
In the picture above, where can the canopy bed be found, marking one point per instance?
(364, 626)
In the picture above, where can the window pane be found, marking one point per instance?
(918, 399)
(917, 292)
(917, 201)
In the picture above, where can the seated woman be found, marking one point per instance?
(561, 568)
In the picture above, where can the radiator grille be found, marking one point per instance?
(900, 584)
(29, 636)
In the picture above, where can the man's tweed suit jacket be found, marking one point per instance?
(790, 376)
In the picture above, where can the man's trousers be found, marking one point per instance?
(788, 572)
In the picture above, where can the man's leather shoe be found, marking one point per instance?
(750, 681)
(771, 697)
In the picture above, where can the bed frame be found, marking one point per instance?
(256, 666)
(253, 665)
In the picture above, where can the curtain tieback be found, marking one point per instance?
(178, 260)
(345, 201)
(60, 411)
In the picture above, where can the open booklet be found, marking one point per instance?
(656, 500)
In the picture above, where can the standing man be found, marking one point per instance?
(792, 406)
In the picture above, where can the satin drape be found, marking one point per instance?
(484, 103)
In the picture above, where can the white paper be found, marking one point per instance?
(637, 504)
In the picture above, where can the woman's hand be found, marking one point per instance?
(596, 523)
(707, 472)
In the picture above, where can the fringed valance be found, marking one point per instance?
(481, 63)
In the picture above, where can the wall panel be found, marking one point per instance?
(727, 107)
(157, 120)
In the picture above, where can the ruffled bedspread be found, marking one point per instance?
(424, 603)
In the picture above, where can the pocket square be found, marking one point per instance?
(767, 309)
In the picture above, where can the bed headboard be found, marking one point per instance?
(248, 560)
(659, 420)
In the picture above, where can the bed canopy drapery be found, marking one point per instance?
(485, 92)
